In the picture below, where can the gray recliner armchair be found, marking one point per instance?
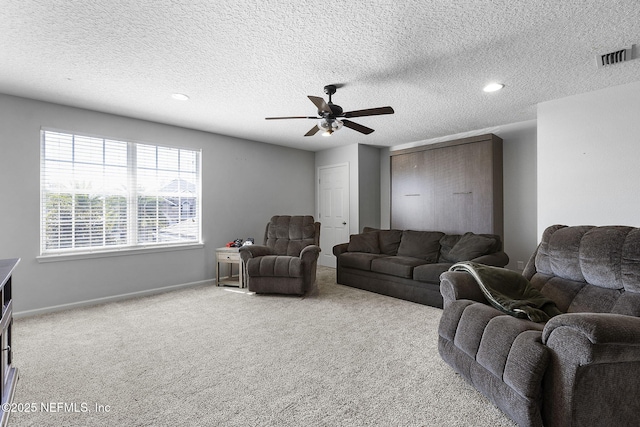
(581, 367)
(286, 263)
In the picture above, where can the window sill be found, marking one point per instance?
(116, 252)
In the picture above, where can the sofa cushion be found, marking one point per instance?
(288, 235)
(399, 266)
(420, 244)
(365, 242)
(430, 272)
(389, 241)
(589, 269)
(471, 246)
(511, 349)
(358, 260)
(275, 266)
(601, 256)
(447, 242)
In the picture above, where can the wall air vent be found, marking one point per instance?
(613, 58)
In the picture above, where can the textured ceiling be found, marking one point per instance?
(240, 61)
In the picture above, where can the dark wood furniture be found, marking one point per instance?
(454, 186)
(8, 373)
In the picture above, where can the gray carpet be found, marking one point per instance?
(210, 356)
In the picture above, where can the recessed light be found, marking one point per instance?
(180, 96)
(492, 87)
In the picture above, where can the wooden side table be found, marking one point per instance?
(229, 256)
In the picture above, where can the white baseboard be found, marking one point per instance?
(96, 301)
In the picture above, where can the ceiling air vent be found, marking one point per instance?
(613, 58)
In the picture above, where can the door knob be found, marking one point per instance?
(344, 223)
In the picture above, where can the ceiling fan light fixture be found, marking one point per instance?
(493, 87)
(329, 126)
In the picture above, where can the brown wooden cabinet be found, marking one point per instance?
(453, 187)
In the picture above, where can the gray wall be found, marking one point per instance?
(520, 192)
(369, 186)
(244, 184)
(588, 152)
(385, 187)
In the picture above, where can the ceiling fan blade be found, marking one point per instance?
(357, 127)
(312, 131)
(369, 112)
(320, 103)
(291, 117)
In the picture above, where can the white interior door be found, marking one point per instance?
(333, 210)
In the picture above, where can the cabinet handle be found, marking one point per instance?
(412, 195)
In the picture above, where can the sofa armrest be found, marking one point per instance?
(591, 355)
(340, 249)
(310, 253)
(253, 251)
(455, 285)
(496, 259)
(594, 337)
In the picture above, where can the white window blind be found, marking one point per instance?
(99, 194)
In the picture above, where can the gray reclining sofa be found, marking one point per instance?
(580, 368)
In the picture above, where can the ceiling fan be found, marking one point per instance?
(332, 118)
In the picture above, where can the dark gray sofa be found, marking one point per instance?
(580, 368)
(407, 264)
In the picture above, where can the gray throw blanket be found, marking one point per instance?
(510, 292)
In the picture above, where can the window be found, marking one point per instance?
(99, 194)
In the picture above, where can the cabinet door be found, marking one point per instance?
(407, 190)
(463, 180)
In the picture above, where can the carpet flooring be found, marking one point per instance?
(213, 356)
